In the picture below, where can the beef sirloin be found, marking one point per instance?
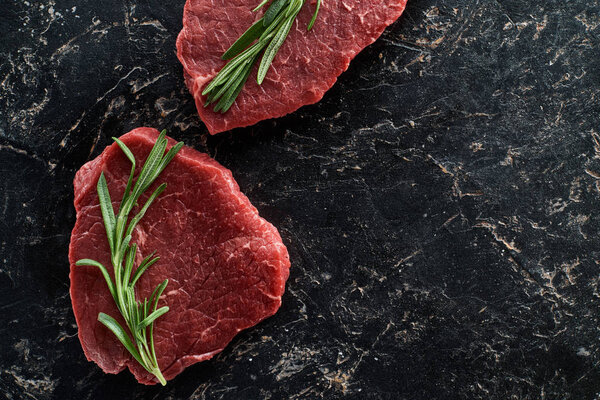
(306, 66)
(226, 265)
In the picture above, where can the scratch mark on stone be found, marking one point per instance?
(510, 246)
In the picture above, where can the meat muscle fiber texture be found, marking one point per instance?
(226, 265)
(305, 67)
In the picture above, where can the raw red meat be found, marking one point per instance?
(226, 265)
(306, 66)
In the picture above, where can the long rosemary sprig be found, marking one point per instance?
(138, 315)
(264, 37)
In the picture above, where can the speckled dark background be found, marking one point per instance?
(440, 205)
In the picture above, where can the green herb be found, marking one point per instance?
(264, 37)
(139, 315)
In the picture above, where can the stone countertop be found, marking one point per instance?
(439, 204)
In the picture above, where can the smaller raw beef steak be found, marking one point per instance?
(306, 66)
(226, 265)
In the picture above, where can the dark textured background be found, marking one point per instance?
(439, 205)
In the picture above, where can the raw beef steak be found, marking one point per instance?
(306, 66)
(226, 265)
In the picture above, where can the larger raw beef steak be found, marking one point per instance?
(226, 265)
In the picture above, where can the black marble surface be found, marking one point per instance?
(440, 204)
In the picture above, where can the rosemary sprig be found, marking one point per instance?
(264, 37)
(138, 315)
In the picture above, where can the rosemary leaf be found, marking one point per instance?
(120, 333)
(144, 265)
(272, 50)
(260, 5)
(157, 293)
(150, 318)
(272, 11)
(314, 17)
(139, 215)
(108, 214)
(245, 40)
(131, 158)
(103, 270)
